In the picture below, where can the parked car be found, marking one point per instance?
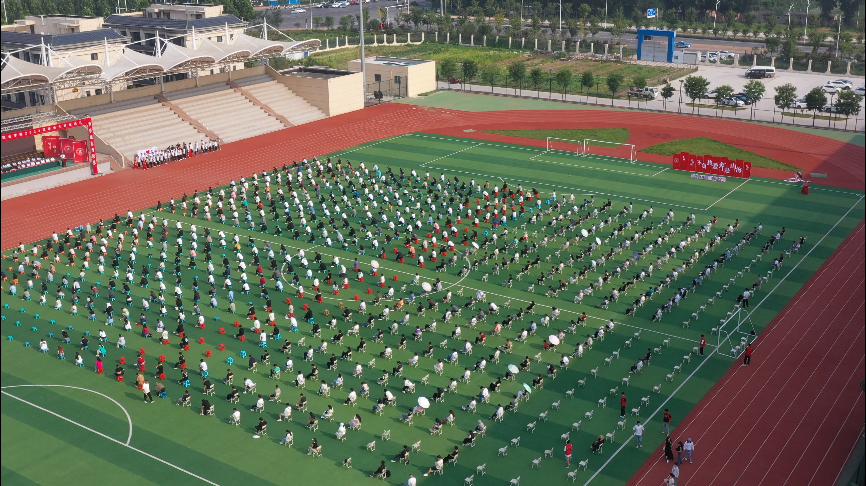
(713, 56)
(742, 97)
(454, 80)
(726, 55)
(682, 45)
(861, 90)
(732, 102)
(830, 88)
(799, 104)
(711, 93)
(842, 83)
(703, 58)
(829, 109)
(297, 10)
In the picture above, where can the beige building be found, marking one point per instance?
(397, 76)
(183, 11)
(54, 24)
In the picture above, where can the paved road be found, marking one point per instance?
(700, 44)
(304, 20)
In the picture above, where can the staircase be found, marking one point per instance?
(281, 99)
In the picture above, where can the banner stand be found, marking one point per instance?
(90, 142)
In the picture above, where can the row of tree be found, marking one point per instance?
(18, 9)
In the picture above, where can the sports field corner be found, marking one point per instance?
(104, 424)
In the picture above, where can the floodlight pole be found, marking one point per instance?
(560, 18)
(838, 31)
(363, 61)
(806, 23)
(716, 13)
(789, 16)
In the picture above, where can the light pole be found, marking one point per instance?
(560, 18)
(521, 15)
(680, 107)
(806, 24)
(363, 61)
(716, 13)
(605, 13)
(789, 16)
(838, 31)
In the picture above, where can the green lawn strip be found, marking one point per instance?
(205, 439)
(9, 476)
(705, 145)
(814, 116)
(715, 107)
(618, 135)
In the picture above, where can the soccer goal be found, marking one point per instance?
(621, 150)
(564, 145)
(736, 330)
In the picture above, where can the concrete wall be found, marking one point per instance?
(334, 96)
(145, 91)
(419, 78)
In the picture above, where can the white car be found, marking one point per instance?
(861, 90)
(842, 83)
(732, 102)
(297, 10)
(713, 56)
(830, 88)
(724, 55)
(799, 104)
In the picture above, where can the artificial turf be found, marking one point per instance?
(209, 448)
(617, 135)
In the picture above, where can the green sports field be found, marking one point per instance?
(93, 427)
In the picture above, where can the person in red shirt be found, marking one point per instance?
(567, 453)
(703, 344)
(747, 356)
(666, 422)
(622, 404)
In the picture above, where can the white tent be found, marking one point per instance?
(22, 73)
(131, 64)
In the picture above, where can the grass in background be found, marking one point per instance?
(704, 145)
(618, 135)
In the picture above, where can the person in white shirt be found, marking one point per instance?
(638, 434)
(351, 397)
(289, 437)
(499, 413)
(412, 481)
(248, 385)
(121, 341)
(437, 466)
(260, 404)
(235, 417)
(470, 407)
(287, 413)
(341, 431)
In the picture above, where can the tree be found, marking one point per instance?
(816, 40)
(329, 22)
(696, 89)
(489, 74)
(498, 20)
(772, 44)
(723, 93)
(848, 104)
(667, 93)
(594, 28)
(816, 99)
(536, 75)
(562, 78)
(346, 22)
(517, 71)
(317, 22)
(691, 15)
(470, 70)
(514, 22)
(754, 91)
(639, 82)
(750, 20)
(447, 68)
(785, 97)
(587, 80)
(614, 81)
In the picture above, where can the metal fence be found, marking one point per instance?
(385, 91)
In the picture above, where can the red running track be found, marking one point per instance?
(35, 216)
(794, 415)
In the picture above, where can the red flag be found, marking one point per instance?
(678, 158)
(724, 166)
(51, 145)
(747, 170)
(737, 168)
(66, 149)
(79, 155)
(693, 163)
(701, 164)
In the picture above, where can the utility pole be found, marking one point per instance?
(789, 16)
(560, 18)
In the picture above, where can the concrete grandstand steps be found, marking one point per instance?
(224, 111)
(130, 126)
(281, 99)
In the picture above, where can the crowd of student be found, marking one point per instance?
(26, 164)
(150, 158)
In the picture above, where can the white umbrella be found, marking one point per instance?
(597, 240)
(426, 286)
(513, 369)
(584, 233)
(475, 245)
(527, 388)
(423, 402)
(554, 340)
(374, 264)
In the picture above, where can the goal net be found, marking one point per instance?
(611, 149)
(564, 145)
(734, 332)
